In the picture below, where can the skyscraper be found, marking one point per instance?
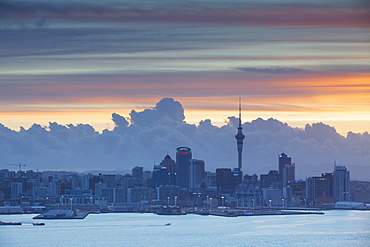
(283, 160)
(226, 180)
(196, 173)
(288, 174)
(164, 173)
(137, 175)
(329, 177)
(183, 156)
(341, 183)
(239, 142)
(317, 187)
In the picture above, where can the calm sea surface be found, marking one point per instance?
(334, 228)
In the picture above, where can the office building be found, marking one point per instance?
(226, 180)
(114, 195)
(288, 175)
(183, 157)
(283, 161)
(196, 173)
(341, 183)
(329, 177)
(137, 175)
(164, 173)
(270, 180)
(16, 189)
(317, 187)
(139, 194)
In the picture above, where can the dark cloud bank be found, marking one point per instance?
(146, 137)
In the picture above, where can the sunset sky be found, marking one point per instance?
(297, 61)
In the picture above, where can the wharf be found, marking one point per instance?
(235, 213)
(284, 212)
(62, 215)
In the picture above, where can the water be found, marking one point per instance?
(335, 228)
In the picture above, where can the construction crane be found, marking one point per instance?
(19, 165)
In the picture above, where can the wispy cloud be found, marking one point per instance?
(274, 70)
(270, 14)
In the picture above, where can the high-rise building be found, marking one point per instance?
(210, 180)
(196, 173)
(98, 188)
(170, 165)
(239, 143)
(226, 180)
(329, 177)
(147, 178)
(127, 181)
(5, 174)
(137, 175)
(298, 188)
(137, 172)
(288, 175)
(164, 173)
(84, 181)
(317, 187)
(341, 183)
(283, 160)
(270, 180)
(183, 156)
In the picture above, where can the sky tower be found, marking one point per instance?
(239, 140)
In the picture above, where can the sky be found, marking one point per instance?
(74, 62)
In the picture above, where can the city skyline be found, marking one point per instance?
(298, 62)
(127, 112)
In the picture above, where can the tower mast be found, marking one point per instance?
(239, 143)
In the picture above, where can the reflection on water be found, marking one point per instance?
(335, 228)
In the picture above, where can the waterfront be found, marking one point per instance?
(334, 228)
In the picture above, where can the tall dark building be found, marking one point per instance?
(283, 160)
(164, 173)
(270, 180)
(226, 180)
(137, 175)
(329, 177)
(183, 156)
(239, 142)
(196, 173)
(170, 164)
(317, 187)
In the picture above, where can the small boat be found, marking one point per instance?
(38, 224)
(168, 224)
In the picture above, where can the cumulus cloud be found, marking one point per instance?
(151, 133)
(167, 110)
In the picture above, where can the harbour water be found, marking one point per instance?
(334, 228)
